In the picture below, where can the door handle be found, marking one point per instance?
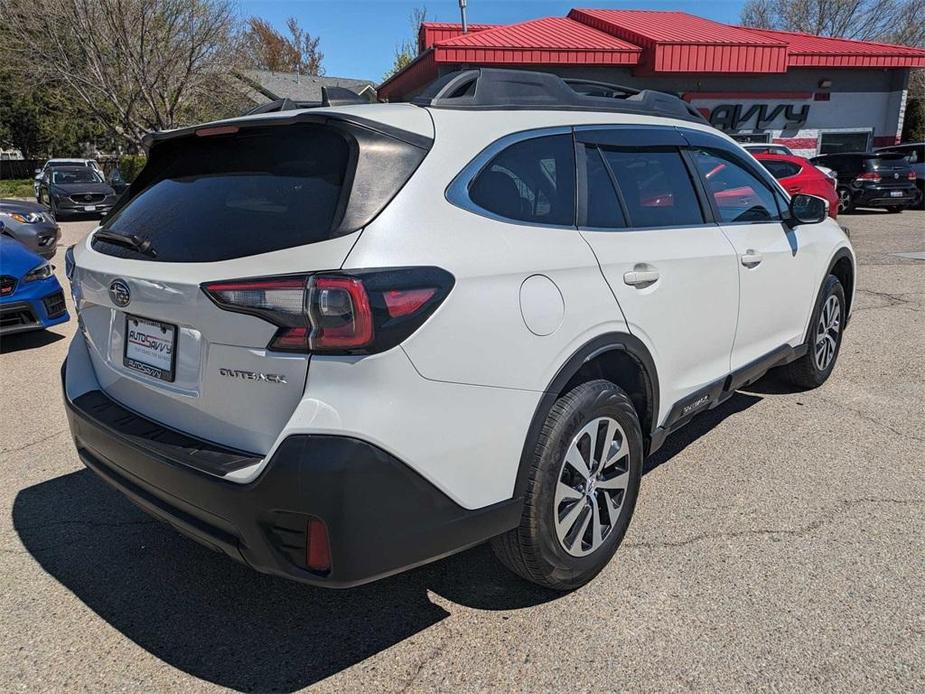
(751, 258)
(637, 277)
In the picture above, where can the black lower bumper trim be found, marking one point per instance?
(382, 517)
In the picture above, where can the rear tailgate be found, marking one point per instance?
(249, 202)
(894, 170)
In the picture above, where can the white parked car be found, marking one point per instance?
(335, 343)
(52, 163)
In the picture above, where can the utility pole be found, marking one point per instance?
(462, 14)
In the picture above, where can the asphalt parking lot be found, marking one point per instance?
(778, 544)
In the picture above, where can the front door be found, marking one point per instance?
(776, 289)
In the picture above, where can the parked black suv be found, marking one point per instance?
(871, 179)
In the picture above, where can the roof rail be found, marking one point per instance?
(330, 96)
(493, 88)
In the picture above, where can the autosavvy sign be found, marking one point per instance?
(752, 111)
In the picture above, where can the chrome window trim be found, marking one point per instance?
(457, 193)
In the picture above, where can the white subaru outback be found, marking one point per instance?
(338, 342)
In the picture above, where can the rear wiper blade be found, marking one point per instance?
(132, 241)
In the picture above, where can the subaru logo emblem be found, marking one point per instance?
(119, 293)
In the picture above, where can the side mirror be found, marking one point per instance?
(808, 209)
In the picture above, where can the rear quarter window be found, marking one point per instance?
(216, 198)
(530, 181)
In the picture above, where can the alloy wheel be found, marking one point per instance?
(592, 485)
(844, 200)
(827, 332)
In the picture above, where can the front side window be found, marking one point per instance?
(739, 195)
(655, 186)
(530, 181)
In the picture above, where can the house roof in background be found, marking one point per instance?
(291, 85)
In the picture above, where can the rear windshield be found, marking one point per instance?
(886, 160)
(780, 169)
(206, 199)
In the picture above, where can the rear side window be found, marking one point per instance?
(530, 181)
(739, 195)
(656, 187)
(215, 198)
(780, 169)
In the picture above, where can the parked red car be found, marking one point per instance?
(798, 175)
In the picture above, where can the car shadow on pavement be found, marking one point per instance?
(30, 340)
(221, 622)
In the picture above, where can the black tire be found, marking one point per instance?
(845, 202)
(805, 372)
(893, 209)
(533, 550)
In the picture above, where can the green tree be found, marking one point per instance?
(407, 50)
(914, 122)
(265, 48)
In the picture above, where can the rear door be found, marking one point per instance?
(775, 262)
(671, 269)
(222, 205)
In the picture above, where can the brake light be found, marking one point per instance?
(872, 176)
(911, 175)
(346, 313)
(405, 302)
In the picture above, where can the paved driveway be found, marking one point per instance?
(778, 544)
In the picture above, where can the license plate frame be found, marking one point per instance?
(153, 367)
(89, 208)
(897, 194)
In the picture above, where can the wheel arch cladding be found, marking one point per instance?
(843, 268)
(616, 357)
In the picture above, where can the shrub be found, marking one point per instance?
(16, 188)
(130, 165)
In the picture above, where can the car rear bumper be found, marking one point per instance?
(381, 516)
(883, 196)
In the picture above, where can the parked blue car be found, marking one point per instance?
(31, 297)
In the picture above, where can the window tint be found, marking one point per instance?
(210, 199)
(603, 208)
(739, 195)
(780, 169)
(530, 181)
(656, 188)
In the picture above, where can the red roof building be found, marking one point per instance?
(812, 93)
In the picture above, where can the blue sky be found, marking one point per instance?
(358, 38)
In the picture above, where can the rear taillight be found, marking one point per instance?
(871, 176)
(340, 313)
(347, 313)
(911, 175)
